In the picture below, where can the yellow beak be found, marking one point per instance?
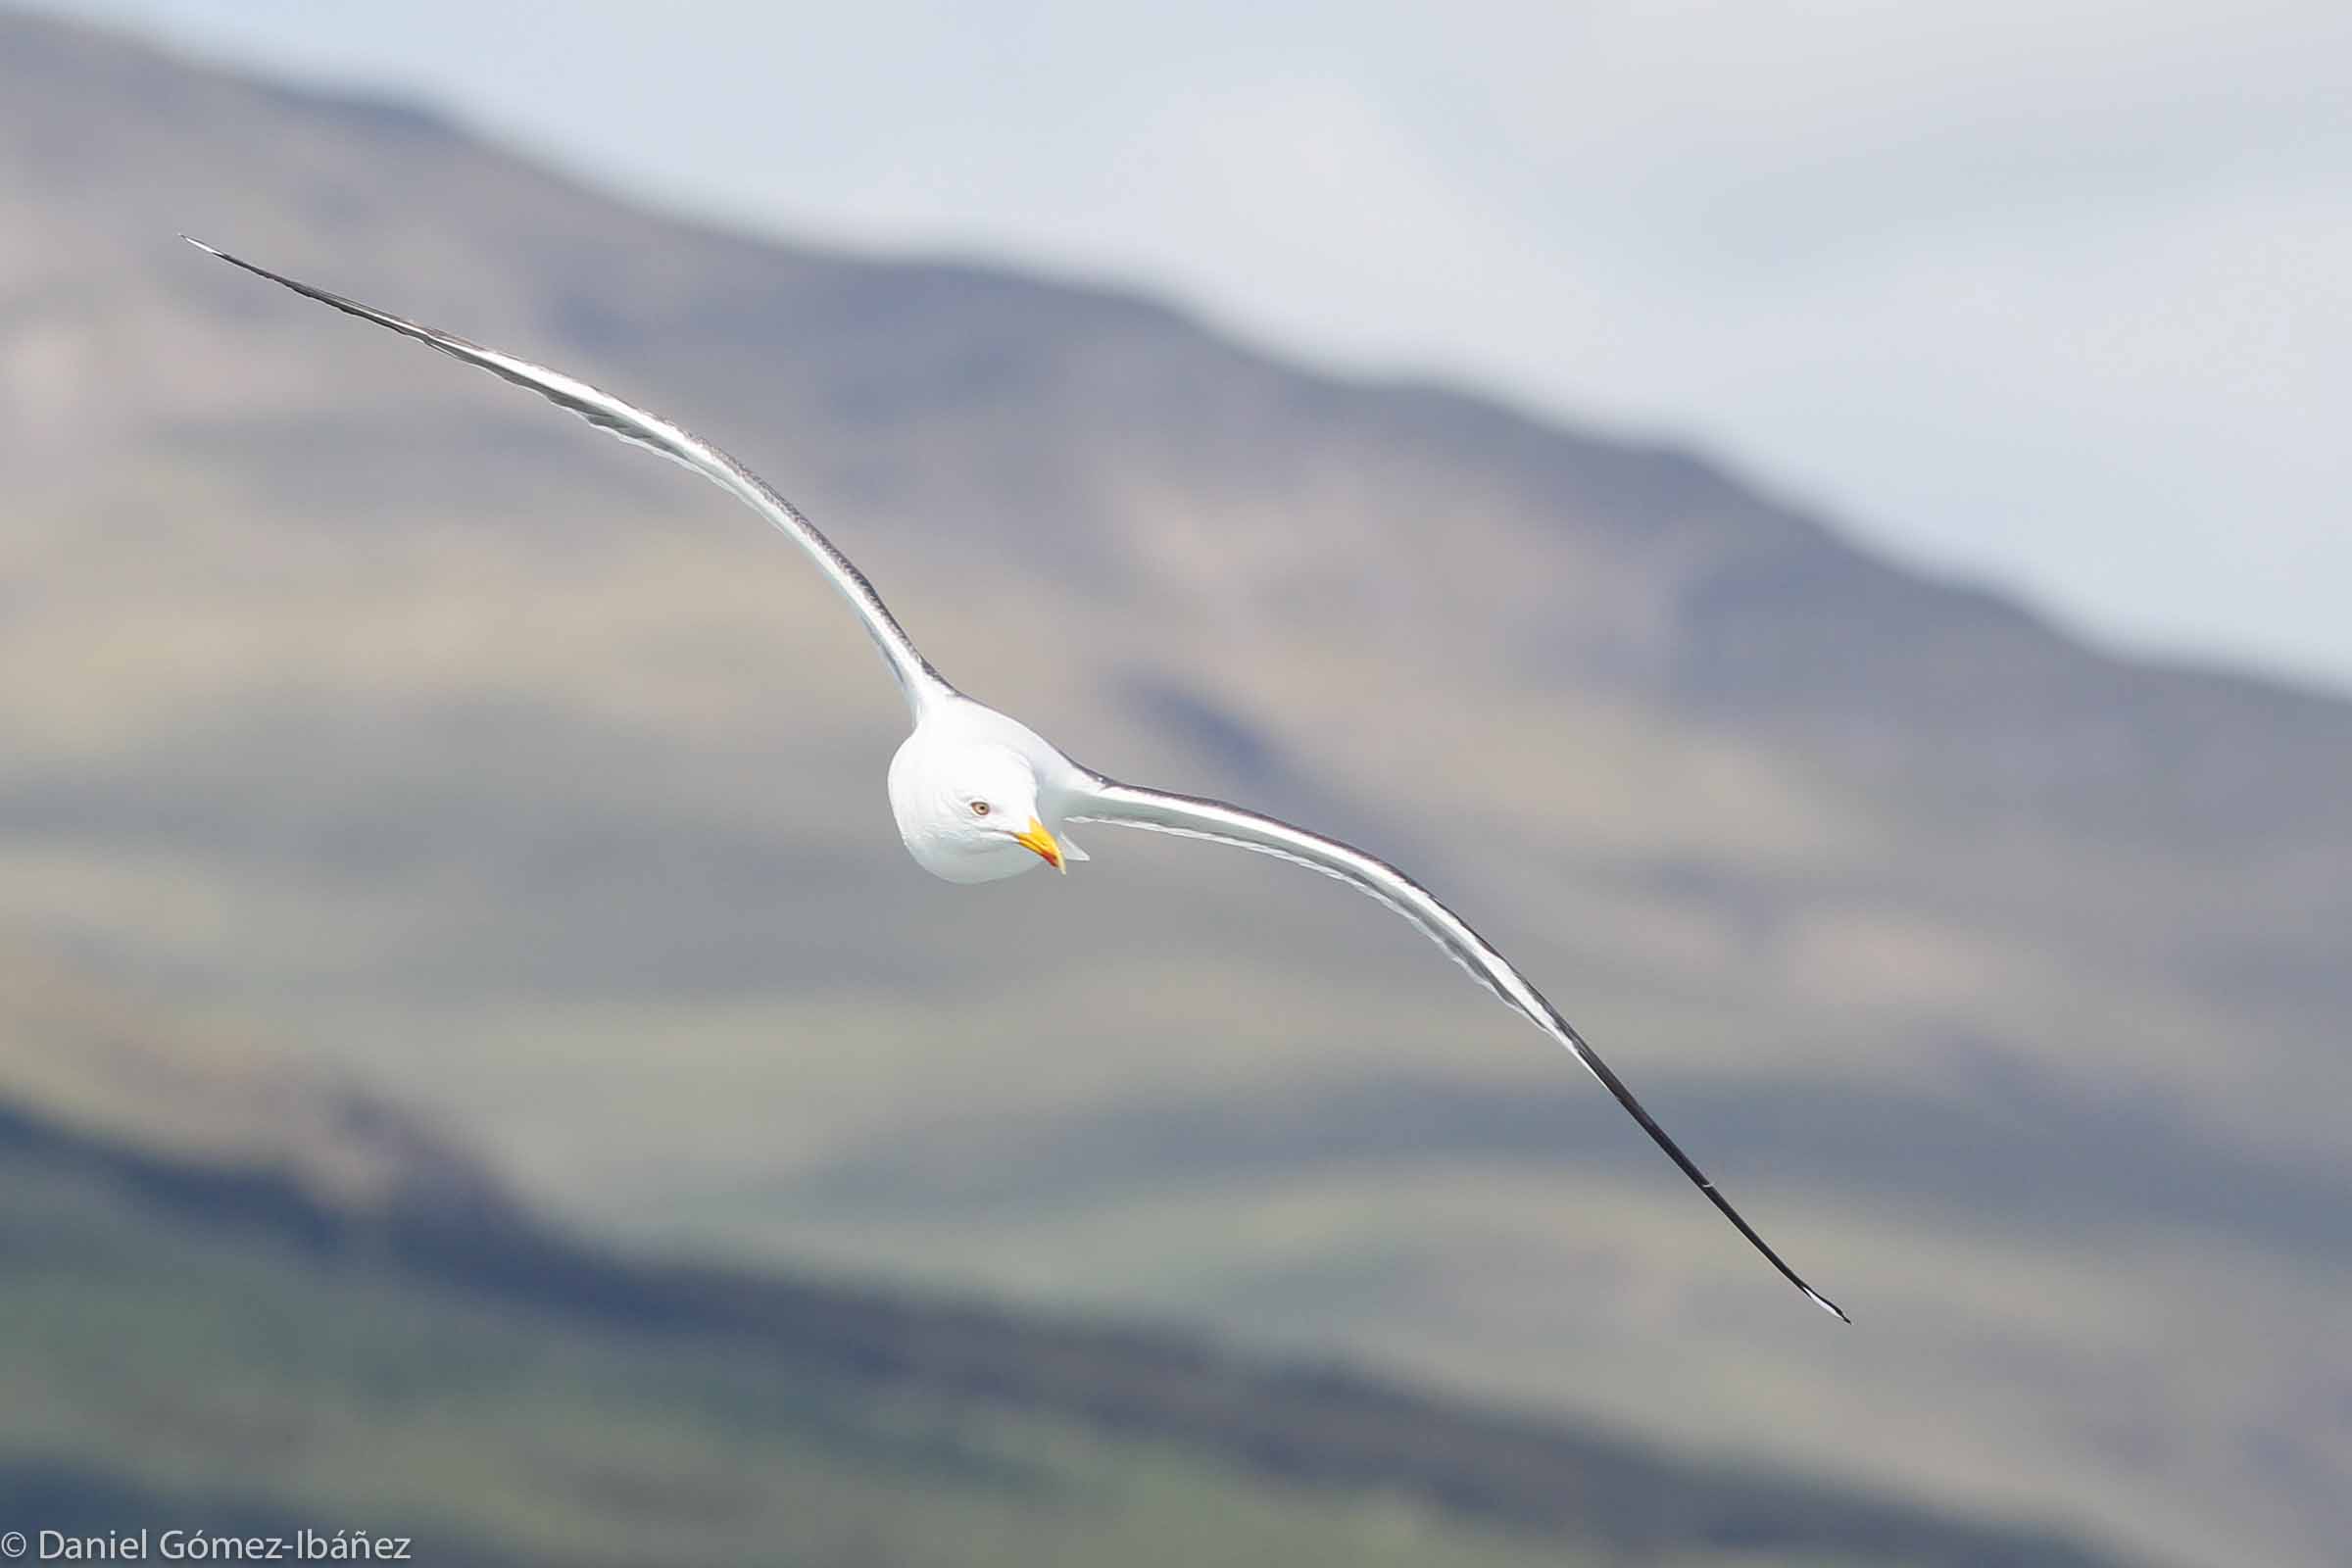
(1037, 837)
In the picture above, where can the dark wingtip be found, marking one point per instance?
(1826, 1304)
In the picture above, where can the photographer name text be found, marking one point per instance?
(204, 1546)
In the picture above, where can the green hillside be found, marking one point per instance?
(208, 1346)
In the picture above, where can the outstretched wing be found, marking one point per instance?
(1127, 805)
(917, 681)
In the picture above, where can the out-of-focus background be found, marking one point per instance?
(1783, 519)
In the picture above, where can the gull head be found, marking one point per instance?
(968, 809)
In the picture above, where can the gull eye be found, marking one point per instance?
(979, 807)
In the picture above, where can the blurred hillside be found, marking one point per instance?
(354, 696)
(216, 1341)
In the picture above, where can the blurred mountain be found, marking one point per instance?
(210, 1343)
(96, 1063)
(348, 693)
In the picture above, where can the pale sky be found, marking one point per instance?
(2053, 293)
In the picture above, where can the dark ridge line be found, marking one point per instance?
(1326, 1425)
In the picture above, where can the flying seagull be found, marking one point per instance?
(980, 795)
